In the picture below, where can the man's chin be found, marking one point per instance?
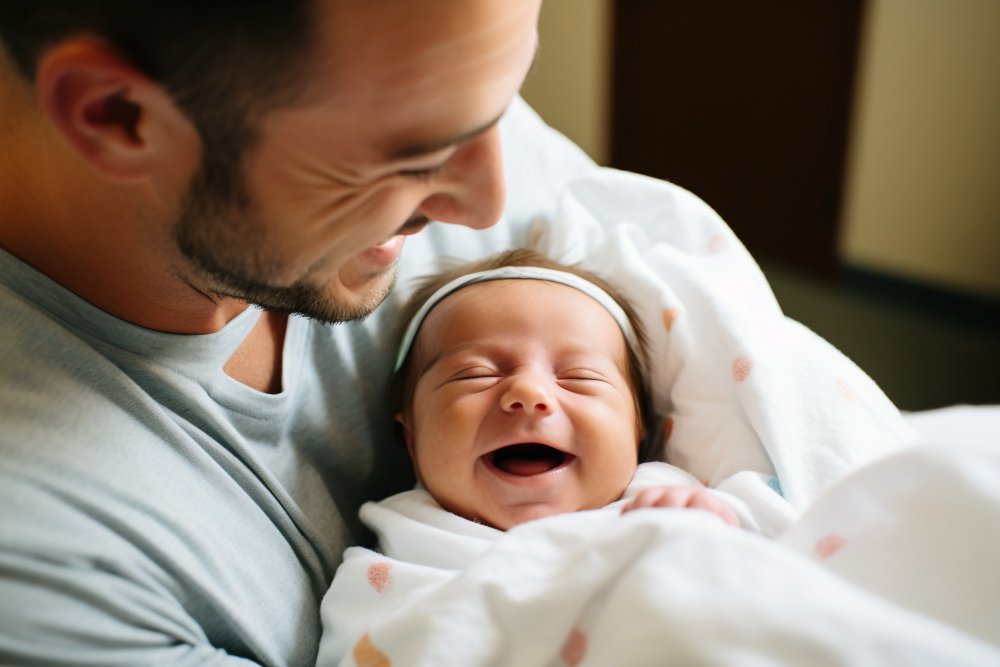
(342, 303)
(360, 302)
(333, 303)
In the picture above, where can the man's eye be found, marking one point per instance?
(423, 174)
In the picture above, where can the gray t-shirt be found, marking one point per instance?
(154, 510)
(141, 479)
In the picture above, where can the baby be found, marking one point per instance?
(522, 394)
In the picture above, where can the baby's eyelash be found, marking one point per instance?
(583, 375)
(473, 372)
(475, 375)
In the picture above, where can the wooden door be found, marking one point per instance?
(747, 104)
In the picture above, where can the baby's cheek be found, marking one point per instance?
(627, 471)
(612, 489)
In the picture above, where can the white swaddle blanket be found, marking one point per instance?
(895, 565)
(752, 403)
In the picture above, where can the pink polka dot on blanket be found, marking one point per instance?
(574, 649)
(717, 244)
(845, 389)
(366, 654)
(379, 575)
(741, 369)
(669, 316)
(830, 545)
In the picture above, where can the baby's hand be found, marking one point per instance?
(691, 495)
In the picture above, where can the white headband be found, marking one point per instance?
(517, 273)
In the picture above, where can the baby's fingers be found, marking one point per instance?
(706, 501)
(657, 497)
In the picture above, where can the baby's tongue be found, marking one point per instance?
(526, 467)
(527, 460)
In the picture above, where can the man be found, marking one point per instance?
(182, 469)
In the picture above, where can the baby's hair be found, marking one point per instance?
(405, 380)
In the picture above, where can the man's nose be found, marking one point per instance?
(527, 393)
(475, 193)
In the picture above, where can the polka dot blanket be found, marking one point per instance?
(859, 544)
(893, 565)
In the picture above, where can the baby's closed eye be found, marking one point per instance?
(582, 374)
(474, 373)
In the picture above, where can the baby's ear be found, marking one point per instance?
(402, 420)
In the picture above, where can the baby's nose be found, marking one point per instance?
(527, 394)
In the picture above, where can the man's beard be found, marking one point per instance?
(231, 259)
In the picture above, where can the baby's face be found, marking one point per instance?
(523, 408)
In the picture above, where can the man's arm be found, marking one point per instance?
(60, 613)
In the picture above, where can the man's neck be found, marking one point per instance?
(111, 244)
(102, 261)
(257, 362)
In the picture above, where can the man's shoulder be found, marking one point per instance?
(116, 510)
(49, 375)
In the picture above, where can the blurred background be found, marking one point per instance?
(853, 145)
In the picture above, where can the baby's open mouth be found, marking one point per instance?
(527, 459)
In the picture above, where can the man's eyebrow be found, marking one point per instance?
(434, 145)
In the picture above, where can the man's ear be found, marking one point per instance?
(114, 115)
(402, 420)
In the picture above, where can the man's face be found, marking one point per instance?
(397, 127)
(523, 408)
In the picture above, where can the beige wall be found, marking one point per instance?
(923, 195)
(923, 184)
(569, 86)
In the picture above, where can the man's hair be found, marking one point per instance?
(405, 381)
(224, 62)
